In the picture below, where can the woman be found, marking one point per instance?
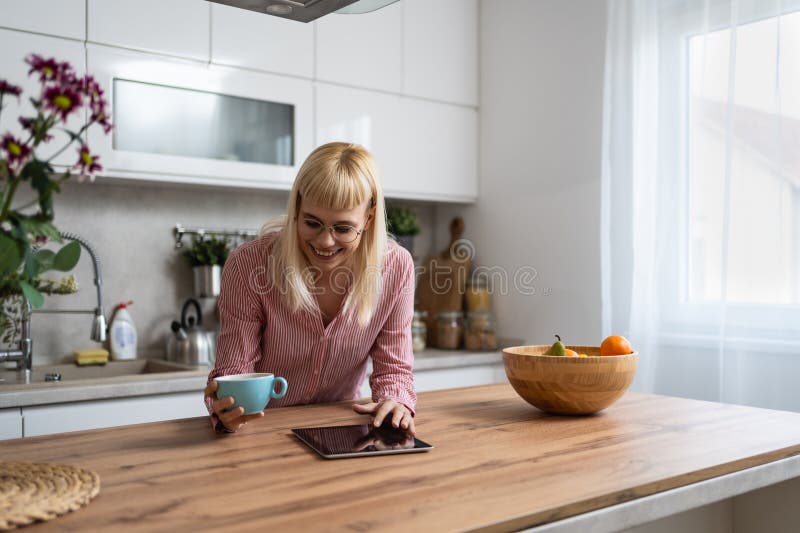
(317, 294)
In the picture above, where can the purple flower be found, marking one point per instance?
(87, 162)
(7, 88)
(97, 102)
(49, 69)
(63, 100)
(16, 151)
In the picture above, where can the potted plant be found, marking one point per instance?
(207, 256)
(402, 223)
(26, 226)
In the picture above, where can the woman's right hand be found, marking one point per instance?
(234, 419)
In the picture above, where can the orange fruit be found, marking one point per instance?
(615, 345)
(570, 353)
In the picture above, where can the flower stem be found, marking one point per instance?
(12, 189)
(84, 128)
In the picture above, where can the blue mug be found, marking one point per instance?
(251, 391)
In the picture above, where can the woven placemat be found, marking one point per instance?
(37, 491)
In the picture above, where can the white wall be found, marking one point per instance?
(541, 81)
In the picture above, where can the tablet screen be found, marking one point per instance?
(359, 440)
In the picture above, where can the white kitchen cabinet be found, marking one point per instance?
(369, 118)
(177, 27)
(243, 38)
(192, 85)
(440, 50)
(363, 50)
(424, 150)
(466, 376)
(16, 46)
(48, 419)
(62, 18)
(10, 423)
(440, 152)
(452, 377)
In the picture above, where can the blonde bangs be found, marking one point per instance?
(340, 185)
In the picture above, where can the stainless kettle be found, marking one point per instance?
(189, 343)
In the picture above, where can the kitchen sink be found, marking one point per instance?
(112, 369)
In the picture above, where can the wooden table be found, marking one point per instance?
(499, 465)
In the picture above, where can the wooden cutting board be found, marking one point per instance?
(442, 280)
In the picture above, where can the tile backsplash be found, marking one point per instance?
(130, 227)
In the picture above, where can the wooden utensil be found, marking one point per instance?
(442, 280)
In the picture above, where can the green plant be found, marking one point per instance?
(208, 250)
(402, 221)
(25, 227)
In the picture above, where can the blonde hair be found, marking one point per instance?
(336, 175)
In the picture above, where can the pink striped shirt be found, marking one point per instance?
(259, 333)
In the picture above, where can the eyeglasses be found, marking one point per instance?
(342, 233)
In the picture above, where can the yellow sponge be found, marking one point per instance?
(96, 356)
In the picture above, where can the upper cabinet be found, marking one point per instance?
(440, 152)
(440, 50)
(243, 38)
(177, 27)
(60, 18)
(182, 121)
(369, 118)
(363, 50)
(424, 150)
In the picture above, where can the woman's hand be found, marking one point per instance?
(234, 419)
(400, 415)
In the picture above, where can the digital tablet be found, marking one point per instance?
(335, 442)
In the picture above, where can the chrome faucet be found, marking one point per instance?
(24, 354)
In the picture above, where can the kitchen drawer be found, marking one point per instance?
(10, 423)
(48, 419)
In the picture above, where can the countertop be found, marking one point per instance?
(499, 465)
(98, 383)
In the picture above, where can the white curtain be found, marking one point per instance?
(701, 196)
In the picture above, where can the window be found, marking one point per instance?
(743, 164)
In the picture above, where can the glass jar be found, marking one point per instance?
(448, 330)
(480, 332)
(477, 295)
(419, 331)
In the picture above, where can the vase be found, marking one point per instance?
(207, 280)
(11, 315)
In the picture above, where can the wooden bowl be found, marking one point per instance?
(569, 385)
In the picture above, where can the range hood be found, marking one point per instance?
(306, 10)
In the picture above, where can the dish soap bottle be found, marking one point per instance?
(122, 334)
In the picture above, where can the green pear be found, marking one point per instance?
(557, 348)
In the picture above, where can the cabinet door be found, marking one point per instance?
(49, 419)
(62, 18)
(243, 38)
(16, 46)
(190, 107)
(441, 152)
(440, 50)
(10, 423)
(364, 50)
(176, 27)
(451, 378)
(368, 118)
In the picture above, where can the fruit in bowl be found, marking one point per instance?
(571, 385)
